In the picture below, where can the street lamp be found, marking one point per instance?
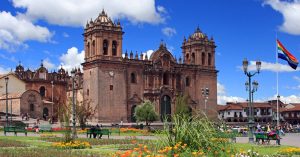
(251, 91)
(10, 110)
(6, 115)
(205, 93)
(165, 107)
(73, 105)
(52, 98)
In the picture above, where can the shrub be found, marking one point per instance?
(197, 132)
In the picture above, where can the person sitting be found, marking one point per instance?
(93, 131)
(260, 131)
(99, 130)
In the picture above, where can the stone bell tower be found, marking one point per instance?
(199, 50)
(103, 39)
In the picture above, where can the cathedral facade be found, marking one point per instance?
(44, 91)
(115, 85)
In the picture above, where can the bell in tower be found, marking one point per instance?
(198, 49)
(103, 39)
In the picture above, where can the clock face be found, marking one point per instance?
(111, 73)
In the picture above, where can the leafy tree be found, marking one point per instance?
(181, 103)
(146, 112)
(64, 118)
(84, 111)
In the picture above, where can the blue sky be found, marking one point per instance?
(51, 30)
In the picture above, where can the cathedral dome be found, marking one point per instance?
(104, 19)
(61, 70)
(19, 68)
(198, 34)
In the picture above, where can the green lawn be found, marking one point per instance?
(261, 149)
(28, 146)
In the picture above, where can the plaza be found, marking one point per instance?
(149, 78)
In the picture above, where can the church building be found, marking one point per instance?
(115, 85)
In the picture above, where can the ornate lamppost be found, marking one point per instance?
(6, 115)
(73, 105)
(251, 91)
(52, 85)
(205, 93)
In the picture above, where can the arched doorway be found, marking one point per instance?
(165, 107)
(133, 119)
(45, 112)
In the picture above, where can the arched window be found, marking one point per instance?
(209, 59)
(93, 47)
(187, 58)
(87, 92)
(187, 81)
(105, 47)
(178, 81)
(203, 58)
(150, 82)
(166, 78)
(114, 48)
(133, 78)
(42, 91)
(193, 58)
(88, 49)
(31, 107)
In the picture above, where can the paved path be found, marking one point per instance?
(289, 139)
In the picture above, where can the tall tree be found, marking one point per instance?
(146, 112)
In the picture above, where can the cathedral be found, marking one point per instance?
(116, 84)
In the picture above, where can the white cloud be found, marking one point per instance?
(161, 9)
(66, 35)
(148, 53)
(77, 12)
(287, 99)
(221, 89)
(295, 87)
(291, 14)
(223, 97)
(48, 64)
(296, 78)
(266, 66)
(168, 31)
(14, 31)
(72, 59)
(4, 70)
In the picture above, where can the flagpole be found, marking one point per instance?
(277, 94)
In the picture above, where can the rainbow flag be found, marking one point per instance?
(284, 54)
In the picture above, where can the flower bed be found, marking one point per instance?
(132, 130)
(72, 145)
(289, 151)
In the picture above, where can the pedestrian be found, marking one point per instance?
(278, 135)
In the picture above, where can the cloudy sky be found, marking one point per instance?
(51, 30)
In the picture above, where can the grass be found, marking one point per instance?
(39, 147)
(261, 149)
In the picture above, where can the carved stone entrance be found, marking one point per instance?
(165, 107)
